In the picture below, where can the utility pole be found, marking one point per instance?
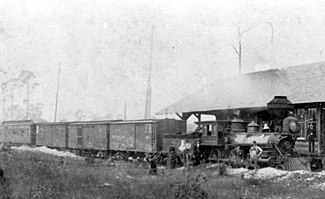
(57, 93)
(148, 95)
(12, 103)
(27, 103)
(125, 110)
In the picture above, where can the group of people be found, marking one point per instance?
(172, 162)
(254, 152)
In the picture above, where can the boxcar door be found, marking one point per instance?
(80, 136)
(143, 137)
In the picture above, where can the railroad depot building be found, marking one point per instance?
(248, 95)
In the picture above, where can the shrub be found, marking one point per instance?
(191, 188)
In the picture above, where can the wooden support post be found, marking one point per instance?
(198, 116)
(318, 130)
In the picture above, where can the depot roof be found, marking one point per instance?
(301, 84)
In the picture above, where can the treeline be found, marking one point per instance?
(16, 90)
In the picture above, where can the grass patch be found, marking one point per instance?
(37, 175)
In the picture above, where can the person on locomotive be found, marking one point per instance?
(255, 152)
(311, 133)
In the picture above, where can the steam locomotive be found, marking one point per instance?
(230, 140)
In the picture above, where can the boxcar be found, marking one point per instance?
(18, 132)
(142, 135)
(53, 135)
(91, 135)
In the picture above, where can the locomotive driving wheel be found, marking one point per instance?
(279, 166)
(235, 157)
(215, 155)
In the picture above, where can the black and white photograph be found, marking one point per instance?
(162, 99)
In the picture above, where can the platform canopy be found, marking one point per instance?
(301, 84)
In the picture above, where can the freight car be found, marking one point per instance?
(142, 136)
(18, 132)
(53, 135)
(90, 137)
(101, 138)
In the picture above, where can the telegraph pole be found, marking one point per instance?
(148, 95)
(57, 93)
(125, 110)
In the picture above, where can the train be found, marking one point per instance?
(213, 141)
(93, 138)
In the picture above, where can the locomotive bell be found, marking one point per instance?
(278, 108)
(252, 127)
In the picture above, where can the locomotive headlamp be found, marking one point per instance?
(293, 127)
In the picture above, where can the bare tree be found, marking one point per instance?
(35, 112)
(26, 78)
(239, 49)
(11, 85)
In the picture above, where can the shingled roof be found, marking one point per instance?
(301, 84)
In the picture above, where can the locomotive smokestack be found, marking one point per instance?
(278, 109)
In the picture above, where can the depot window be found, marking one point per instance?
(305, 117)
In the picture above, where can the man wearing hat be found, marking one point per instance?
(311, 134)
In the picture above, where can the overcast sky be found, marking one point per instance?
(103, 47)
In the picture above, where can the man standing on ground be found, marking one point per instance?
(153, 160)
(172, 156)
(311, 137)
(255, 152)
